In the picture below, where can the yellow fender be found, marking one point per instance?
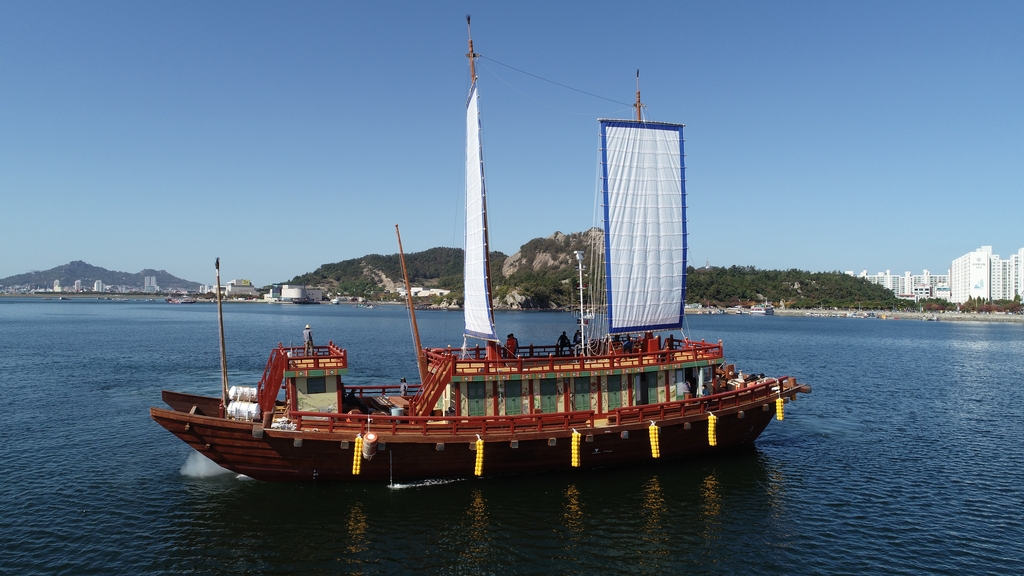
(655, 442)
(576, 449)
(780, 412)
(479, 469)
(357, 455)
(712, 432)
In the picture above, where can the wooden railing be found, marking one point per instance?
(322, 358)
(527, 423)
(693, 406)
(532, 359)
(439, 374)
(270, 384)
(443, 426)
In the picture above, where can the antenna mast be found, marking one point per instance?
(472, 55)
(638, 105)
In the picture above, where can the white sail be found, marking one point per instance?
(479, 317)
(645, 225)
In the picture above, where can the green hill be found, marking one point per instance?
(797, 288)
(542, 275)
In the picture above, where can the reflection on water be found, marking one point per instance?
(475, 551)
(775, 493)
(572, 514)
(357, 526)
(655, 535)
(711, 507)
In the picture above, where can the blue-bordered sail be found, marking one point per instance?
(644, 224)
(479, 317)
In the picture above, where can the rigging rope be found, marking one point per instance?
(553, 82)
(527, 96)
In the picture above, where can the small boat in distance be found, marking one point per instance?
(762, 310)
(183, 300)
(632, 394)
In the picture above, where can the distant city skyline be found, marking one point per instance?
(279, 137)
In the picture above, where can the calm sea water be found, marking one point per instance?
(907, 458)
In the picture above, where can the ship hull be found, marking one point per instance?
(282, 455)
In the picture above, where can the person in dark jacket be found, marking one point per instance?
(563, 345)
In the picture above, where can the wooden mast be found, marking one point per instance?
(472, 55)
(421, 361)
(638, 105)
(223, 353)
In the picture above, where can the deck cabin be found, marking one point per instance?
(531, 387)
(536, 380)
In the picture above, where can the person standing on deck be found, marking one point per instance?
(562, 346)
(577, 342)
(403, 388)
(307, 339)
(512, 346)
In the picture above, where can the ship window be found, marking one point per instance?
(316, 385)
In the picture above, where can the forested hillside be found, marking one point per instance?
(542, 275)
(797, 288)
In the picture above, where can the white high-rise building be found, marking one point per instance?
(56, 285)
(150, 284)
(97, 286)
(78, 285)
(1019, 256)
(982, 274)
(911, 286)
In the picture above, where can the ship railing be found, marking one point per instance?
(475, 362)
(270, 383)
(440, 369)
(762, 390)
(379, 390)
(323, 357)
(443, 425)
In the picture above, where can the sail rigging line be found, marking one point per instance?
(553, 82)
(562, 110)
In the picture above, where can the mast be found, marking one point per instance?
(223, 353)
(638, 105)
(472, 55)
(583, 333)
(421, 363)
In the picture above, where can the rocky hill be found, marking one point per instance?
(542, 275)
(89, 274)
(539, 275)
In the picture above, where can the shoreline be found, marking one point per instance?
(793, 313)
(922, 316)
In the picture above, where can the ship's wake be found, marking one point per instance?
(199, 466)
(423, 483)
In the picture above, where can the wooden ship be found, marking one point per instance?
(625, 394)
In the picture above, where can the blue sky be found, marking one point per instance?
(281, 136)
